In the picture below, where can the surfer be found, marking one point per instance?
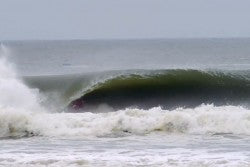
(77, 104)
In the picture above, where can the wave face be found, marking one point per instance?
(168, 89)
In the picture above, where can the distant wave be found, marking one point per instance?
(166, 88)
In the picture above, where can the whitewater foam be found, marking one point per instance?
(205, 119)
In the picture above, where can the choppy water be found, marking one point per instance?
(156, 149)
(40, 79)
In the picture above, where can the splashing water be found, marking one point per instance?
(16, 98)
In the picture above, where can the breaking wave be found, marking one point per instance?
(168, 89)
(21, 112)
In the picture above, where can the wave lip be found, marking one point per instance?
(168, 89)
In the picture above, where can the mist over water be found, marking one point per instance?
(33, 107)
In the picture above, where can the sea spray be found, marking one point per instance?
(17, 101)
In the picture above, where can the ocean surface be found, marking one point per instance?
(161, 102)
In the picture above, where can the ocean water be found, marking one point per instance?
(176, 102)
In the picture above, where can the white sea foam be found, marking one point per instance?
(151, 150)
(206, 119)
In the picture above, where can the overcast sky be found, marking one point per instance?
(91, 19)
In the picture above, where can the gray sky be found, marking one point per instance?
(88, 19)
